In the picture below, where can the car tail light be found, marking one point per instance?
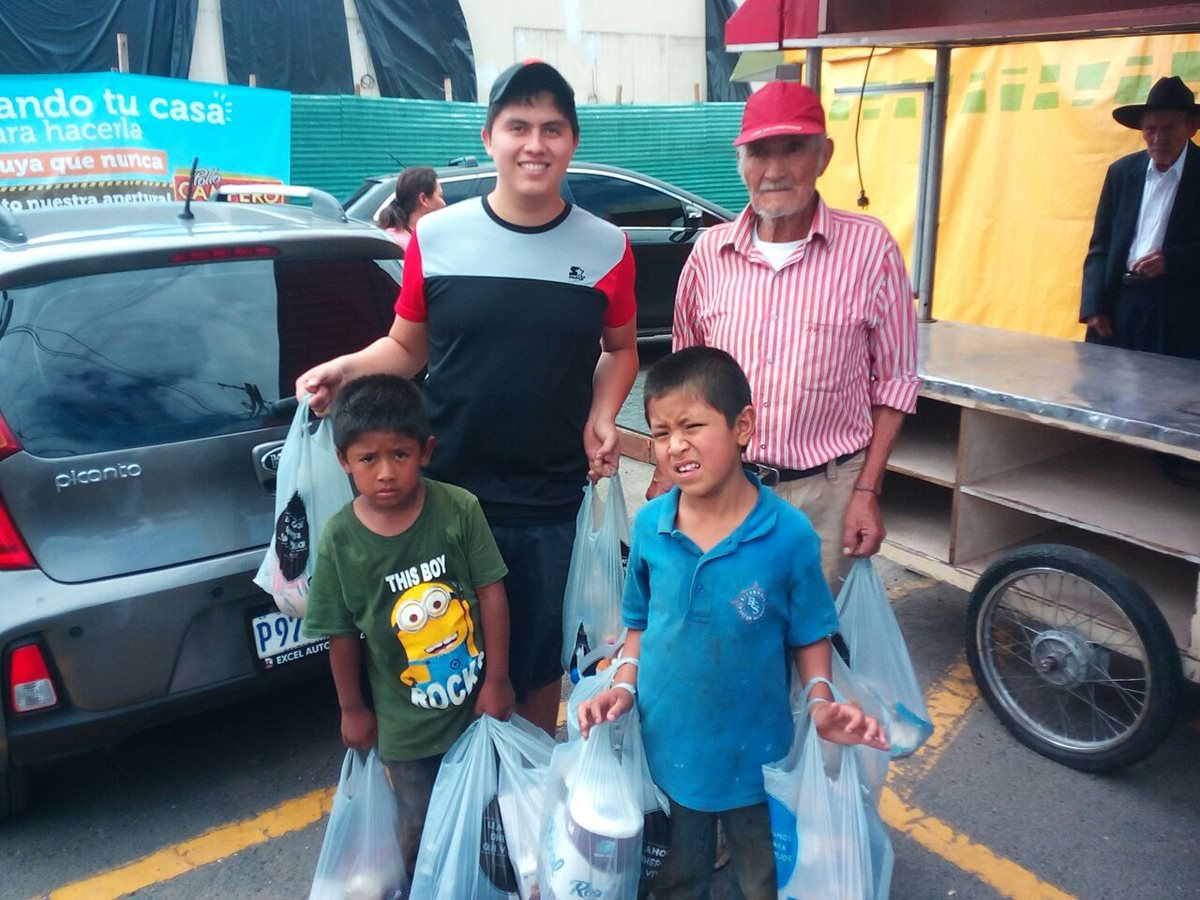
(13, 552)
(29, 684)
(218, 254)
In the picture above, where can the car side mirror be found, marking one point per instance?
(693, 217)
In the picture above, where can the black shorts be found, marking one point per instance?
(538, 556)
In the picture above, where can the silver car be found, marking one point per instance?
(146, 370)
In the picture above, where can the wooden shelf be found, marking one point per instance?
(916, 514)
(1107, 488)
(928, 444)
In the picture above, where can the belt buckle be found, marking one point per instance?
(768, 475)
(1131, 278)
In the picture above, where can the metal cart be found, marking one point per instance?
(1059, 482)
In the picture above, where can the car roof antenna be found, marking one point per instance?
(191, 189)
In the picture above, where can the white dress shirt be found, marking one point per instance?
(1158, 196)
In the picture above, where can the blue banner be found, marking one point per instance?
(74, 140)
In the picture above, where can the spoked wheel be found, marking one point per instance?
(1073, 657)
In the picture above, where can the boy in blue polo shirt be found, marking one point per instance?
(724, 591)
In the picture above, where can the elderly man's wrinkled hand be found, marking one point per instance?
(863, 530)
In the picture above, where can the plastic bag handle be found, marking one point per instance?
(838, 696)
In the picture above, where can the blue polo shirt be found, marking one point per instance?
(718, 631)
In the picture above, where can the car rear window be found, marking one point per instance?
(135, 358)
(464, 188)
(625, 203)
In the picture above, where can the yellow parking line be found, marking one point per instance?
(948, 703)
(219, 843)
(910, 585)
(1005, 876)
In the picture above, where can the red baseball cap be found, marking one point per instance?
(781, 107)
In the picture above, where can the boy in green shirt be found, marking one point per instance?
(410, 565)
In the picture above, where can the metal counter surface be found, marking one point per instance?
(1144, 396)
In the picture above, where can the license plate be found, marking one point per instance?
(277, 640)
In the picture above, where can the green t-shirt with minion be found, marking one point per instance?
(413, 598)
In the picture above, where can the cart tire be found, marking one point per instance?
(1073, 657)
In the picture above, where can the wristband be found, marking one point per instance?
(812, 700)
(626, 660)
(866, 490)
(626, 686)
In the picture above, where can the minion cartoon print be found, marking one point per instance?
(432, 620)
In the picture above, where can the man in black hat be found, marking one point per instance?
(1141, 277)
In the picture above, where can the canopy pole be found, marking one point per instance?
(812, 68)
(932, 182)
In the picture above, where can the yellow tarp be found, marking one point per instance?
(1029, 135)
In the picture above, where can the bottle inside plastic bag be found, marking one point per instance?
(593, 839)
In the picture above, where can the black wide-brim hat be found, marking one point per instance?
(1167, 93)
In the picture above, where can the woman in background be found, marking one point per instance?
(417, 193)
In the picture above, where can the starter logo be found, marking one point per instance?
(76, 477)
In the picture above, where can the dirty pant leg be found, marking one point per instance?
(687, 871)
(412, 783)
(824, 498)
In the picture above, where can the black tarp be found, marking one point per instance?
(297, 47)
(415, 44)
(720, 63)
(39, 37)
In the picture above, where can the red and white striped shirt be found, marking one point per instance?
(830, 334)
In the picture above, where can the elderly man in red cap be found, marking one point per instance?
(816, 306)
(1141, 277)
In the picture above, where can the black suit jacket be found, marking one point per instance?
(1112, 235)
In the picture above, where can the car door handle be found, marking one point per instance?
(266, 464)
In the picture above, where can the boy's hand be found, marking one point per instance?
(607, 706)
(846, 723)
(359, 729)
(496, 699)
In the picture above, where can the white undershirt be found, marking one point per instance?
(1158, 196)
(776, 254)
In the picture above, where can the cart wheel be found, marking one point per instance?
(1073, 657)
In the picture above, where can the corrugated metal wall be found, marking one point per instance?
(338, 140)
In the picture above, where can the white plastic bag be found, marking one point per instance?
(656, 808)
(592, 839)
(360, 855)
(595, 581)
(310, 486)
(479, 841)
(829, 840)
(879, 659)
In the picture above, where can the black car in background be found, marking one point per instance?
(662, 220)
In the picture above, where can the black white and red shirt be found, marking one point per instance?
(514, 318)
